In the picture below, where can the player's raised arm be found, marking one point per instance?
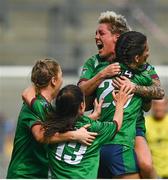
(97, 110)
(120, 98)
(28, 94)
(155, 91)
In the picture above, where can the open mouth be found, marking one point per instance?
(99, 46)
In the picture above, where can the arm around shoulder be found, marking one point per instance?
(81, 135)
(28, 94)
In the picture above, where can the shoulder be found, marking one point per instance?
(25, 109)
(83, 120)
(150, 69)
(41, 107)
(93, 60)
(26, 116)
(39, 101)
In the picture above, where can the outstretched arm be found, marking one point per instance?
(97, 110)
(120, 99)
(155, 91)
(81, 135)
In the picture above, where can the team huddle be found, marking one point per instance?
(55, 139)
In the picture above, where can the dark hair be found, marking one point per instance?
(129, 45)
(43, 71)
(66, 112)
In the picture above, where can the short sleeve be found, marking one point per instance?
(87, 70)
(29, 118)
(152, 72)
(39, 108)
(33, 121)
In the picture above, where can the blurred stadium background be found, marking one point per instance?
(64, 30)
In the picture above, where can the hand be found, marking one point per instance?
(83, 136)
(122, 96)
(28, 94)
(97, 109)
(118, 82)
(111, 70)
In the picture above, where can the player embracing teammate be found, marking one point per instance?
(119, 68)
(118, 159)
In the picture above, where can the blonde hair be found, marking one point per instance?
(43, 71)
(117, 22)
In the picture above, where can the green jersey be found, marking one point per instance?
(72, 160)
(126, 135)
(88, 69)
(29, 158)
(141, 120)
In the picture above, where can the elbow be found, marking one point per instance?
(84, 88)
(25, 98)
(118, 127)
(81, 86)
(23, 95)
(38, 133)
(161, 93)
(118, 124)
(40, 139)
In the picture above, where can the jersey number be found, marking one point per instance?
(107, 91)
(77, 155)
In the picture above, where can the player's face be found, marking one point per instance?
(58, 82)
(105, 40)
(59, 79)
(144, 56)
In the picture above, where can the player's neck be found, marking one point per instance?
(110, 58)
(47, 94)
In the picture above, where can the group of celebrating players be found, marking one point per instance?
(57, 140)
